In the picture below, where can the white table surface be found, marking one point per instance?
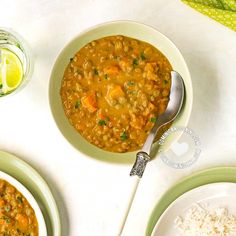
(91, 195)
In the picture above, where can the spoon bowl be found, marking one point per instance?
(176, 97)
(173, 108)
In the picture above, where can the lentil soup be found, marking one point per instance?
(113, 90)
(16, 215)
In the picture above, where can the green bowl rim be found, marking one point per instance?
(50, 198)
(185, 184)
(84, 32)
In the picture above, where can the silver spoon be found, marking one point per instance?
(171, 112)
(142, 157)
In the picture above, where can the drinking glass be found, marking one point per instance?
(15, 62)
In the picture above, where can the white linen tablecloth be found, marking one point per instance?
(91, 195)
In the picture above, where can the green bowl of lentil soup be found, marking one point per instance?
(20, 212)
(127, 29)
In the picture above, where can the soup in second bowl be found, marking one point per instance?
(17, 217)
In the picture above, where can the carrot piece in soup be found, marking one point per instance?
(22, 220)
(89, 102)
(111, 70)
(100, 115)
(115, 92)
(2, 203)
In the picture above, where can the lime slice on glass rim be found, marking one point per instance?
(11, 71)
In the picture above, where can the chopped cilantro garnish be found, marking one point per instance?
(106, 76)
(0, 86)
(7, 208)
(142, 56)
(101, 122)
(135, 62)
(77, 104)
(153, 119)
(6, 218)
(165, 81)
(95, 71)
(19, 199)
(123, 136)
(131, 83)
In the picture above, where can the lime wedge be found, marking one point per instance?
(11, 72)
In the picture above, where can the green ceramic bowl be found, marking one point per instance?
(126, 28)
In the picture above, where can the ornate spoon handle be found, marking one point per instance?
(142, 159)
